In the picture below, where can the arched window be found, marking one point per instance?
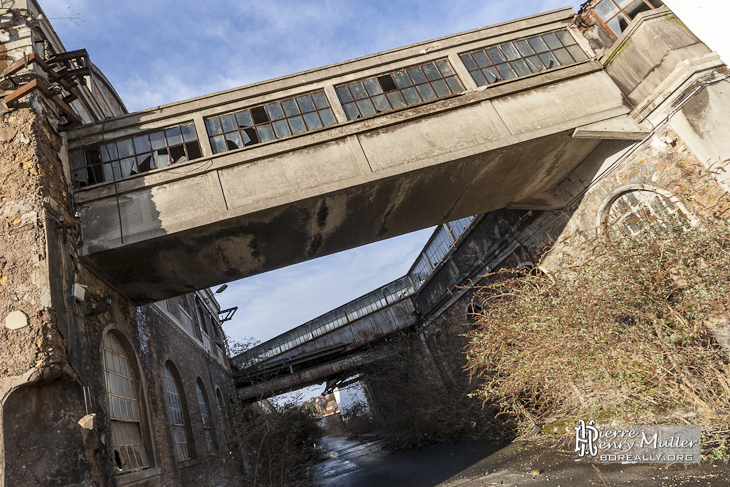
(640, 211)
(222, 412)
(124, 408)
(177, 413)
(206, 417)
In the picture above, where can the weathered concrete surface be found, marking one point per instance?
(254, 212)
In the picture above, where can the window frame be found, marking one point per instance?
(206, 417)
(174, 376)
(621, 11)
(373, 88)
(134, 376)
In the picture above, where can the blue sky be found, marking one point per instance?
(162, 51)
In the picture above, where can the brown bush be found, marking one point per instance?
(625, 333)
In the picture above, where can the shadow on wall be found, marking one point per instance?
(43, 440)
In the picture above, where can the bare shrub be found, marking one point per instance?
(622, 334)
(277, 443)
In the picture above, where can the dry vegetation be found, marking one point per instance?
(625, 334)
(277, 443)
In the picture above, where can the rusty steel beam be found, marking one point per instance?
(33, 85)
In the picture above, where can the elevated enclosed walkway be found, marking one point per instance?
(241, 182)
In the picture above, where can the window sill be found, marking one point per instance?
(133, 477)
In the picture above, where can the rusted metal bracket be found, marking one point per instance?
(33, 85)
(72, 66)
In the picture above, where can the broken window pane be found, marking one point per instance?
(506, 72)
(162, 158)
(233, 141)
(351, 111)
(177, 154)
(250, 136)
(128, 166)
(535, 64)
(492, 75)
(144, 162)
(549, 60)
(510, 51)
(193, 150)
(524, 47)
(387, 84)
(259, 115)
(520, 67)
(395, 90)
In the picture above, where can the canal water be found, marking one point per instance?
(362, 462)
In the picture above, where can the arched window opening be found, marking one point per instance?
(206, 417)
(123, 403)
(640, 211)
(177, 415)
(222, 412)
